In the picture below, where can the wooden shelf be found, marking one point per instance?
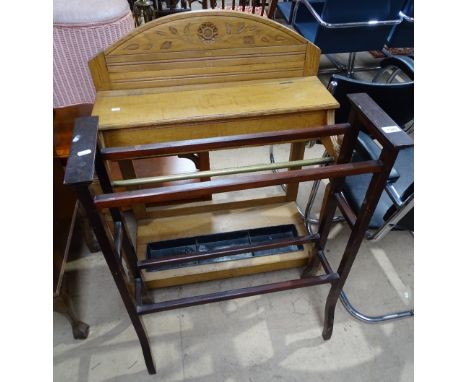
(151, 230)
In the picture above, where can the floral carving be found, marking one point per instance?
(207, 32)
(249, 40)
(166, 45)
(132, 47)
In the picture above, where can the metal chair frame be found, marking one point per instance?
(349, 67)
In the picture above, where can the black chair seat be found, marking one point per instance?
(402, 35)
(343, 36)
(285, 9)
(356, 186)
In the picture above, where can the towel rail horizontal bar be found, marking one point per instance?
(219, 143)
(221, 172)
(236, 293)
(191, 190)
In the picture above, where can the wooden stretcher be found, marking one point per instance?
(193, 83)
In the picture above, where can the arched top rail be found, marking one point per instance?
(203, 47)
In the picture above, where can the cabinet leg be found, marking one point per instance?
(63, 305)
(87, 231)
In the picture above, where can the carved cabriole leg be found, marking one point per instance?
(64, 305)
(108, 249)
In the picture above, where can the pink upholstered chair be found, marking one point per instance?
(82, 28)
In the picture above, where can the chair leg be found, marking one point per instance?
(350, 66)
(63, 305)
(392, 220)
(349, 69)
(372, 319)
(87, 231)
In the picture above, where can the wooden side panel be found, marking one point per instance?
(312, 60)
(99, 72)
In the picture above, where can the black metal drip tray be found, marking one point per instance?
(166, 248)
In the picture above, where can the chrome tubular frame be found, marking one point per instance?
(393, 220)
(406, 17)
(349, 68)
(372, 319)
(324, 24)
(397, 216)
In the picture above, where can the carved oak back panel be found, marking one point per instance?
(202, 47)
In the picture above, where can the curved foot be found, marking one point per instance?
(80, 330)
(326, 334)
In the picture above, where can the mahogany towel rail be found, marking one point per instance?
(87, 158)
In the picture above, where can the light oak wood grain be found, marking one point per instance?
(215, 102)
(203, 47)
(207, 223)
(205, 74)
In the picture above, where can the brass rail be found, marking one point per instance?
(224, 171)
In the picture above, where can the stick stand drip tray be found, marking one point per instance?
(225, 240)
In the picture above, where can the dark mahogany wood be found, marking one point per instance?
(118, 239)
(193, 256)
(186, 191)
(103, 235)
(365, 114)
(374, 120)
(221, 143)
(80, 163)
(345, 209)
(129, 253)
(326, 265)
(237, 293)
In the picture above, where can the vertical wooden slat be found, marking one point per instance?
(297, 153)
(128, 172)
